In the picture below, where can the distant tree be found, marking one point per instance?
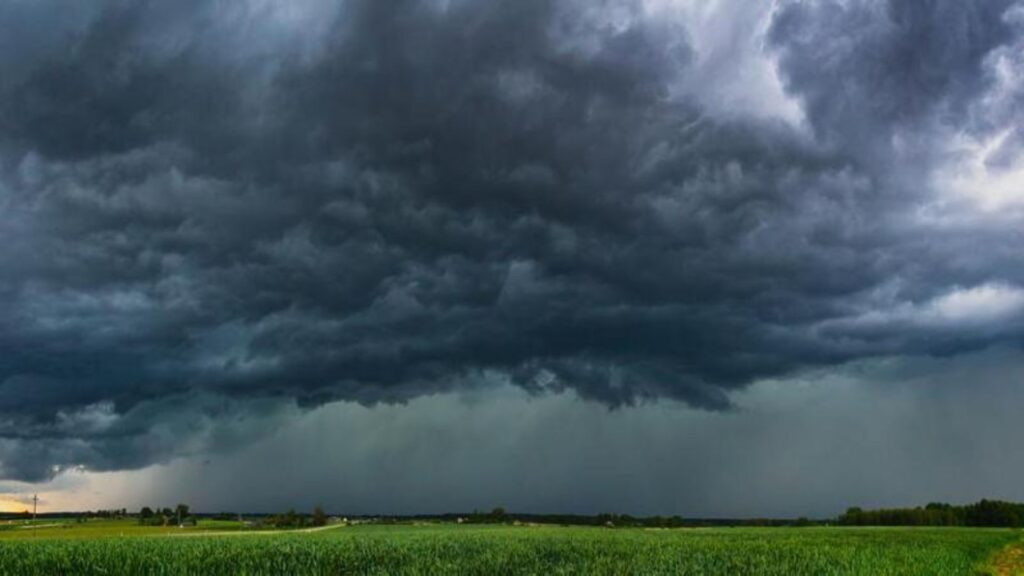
(319, 517)
(147, 516)
(181, 512)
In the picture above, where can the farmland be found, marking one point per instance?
(450, 549)
(100, 528)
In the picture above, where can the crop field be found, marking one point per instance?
(452, 549)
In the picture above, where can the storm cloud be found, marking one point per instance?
(213, 213)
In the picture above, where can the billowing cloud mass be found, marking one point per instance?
(212, 213)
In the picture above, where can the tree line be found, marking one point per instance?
(292, 519)
(994, 513)
(500, 516)
(180, 515)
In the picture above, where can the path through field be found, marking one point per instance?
(256, 532)
(39, 526)
(1009, 562)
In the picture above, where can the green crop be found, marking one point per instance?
(449, 549)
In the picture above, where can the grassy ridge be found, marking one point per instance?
(519, 550)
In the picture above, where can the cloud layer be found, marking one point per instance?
(872, 434)
(211, 212)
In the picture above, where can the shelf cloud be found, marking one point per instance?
(214, 214)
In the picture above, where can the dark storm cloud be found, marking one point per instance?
(897, 63)
(375, 201)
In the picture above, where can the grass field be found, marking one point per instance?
(69, 529)
(451, 549)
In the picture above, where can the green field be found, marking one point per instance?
(39, 530)
(120, 548)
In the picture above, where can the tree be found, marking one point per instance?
(148, 517)
(181, 512)
(319, 517)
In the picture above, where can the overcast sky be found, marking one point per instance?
(717, 258)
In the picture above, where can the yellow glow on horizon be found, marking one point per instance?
(9, 506)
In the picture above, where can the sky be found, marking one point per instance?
(708, 258)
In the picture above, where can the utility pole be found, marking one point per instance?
(35, 503)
